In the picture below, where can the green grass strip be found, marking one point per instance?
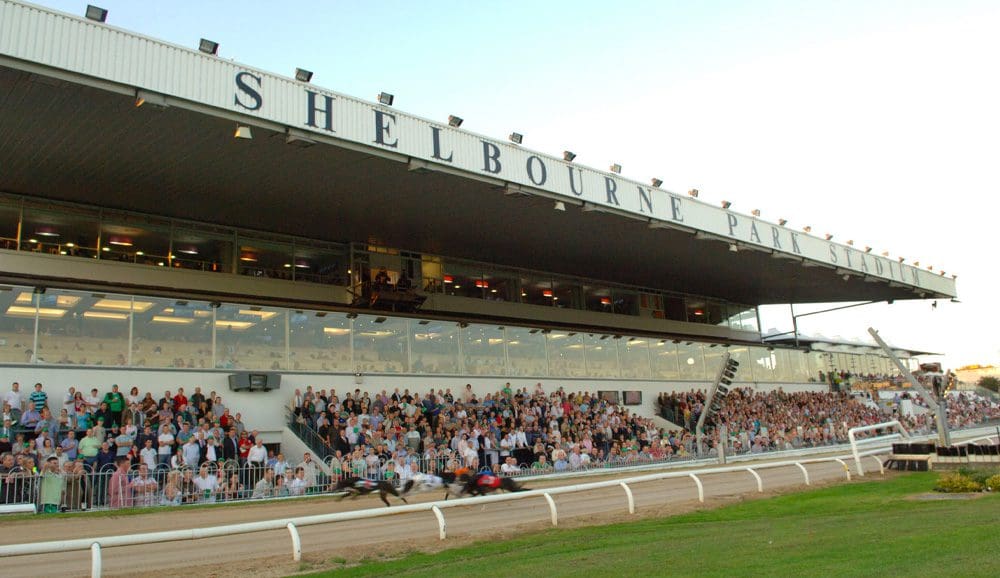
(861, 529)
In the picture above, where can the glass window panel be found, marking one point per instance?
(265, 259)
(625, 302)
(762, 364)
(464, 281)
(596, 298)
(696, 311)
(10, 213)
(319, 264)
(675, 308)
(536, 291)
(565, 354)
(203, 251)
(135, 239)
(601, 355)
(171, 333)
(380, 345)
(526, 351)
(432, 274)
(17, 325)
(434, 347)
(691, 361)
(744, 372)
(749, 319)
(501, 286)
(250, 337)
(69, 231)
(715, 313)
(713, 359)
(664, 359)
(83, 328)
(633, 355)
(483, 348)
(818, 365)
(567, 295)
(319, 341)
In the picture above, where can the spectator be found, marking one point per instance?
(119, 490)
(264, 488)
(38, 398)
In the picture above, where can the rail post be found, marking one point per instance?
(847, 470)
(296, 542)
(881, 467)
(628, 496)
(760, 482)
(805, 474)
(701, 488)
(95, 560)
(552, 509)
(442, 527)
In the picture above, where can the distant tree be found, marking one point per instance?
(990, 382)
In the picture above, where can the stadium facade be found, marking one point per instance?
(169, 217)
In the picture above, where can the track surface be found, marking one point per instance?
(269, 553)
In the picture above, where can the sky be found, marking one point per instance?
(873, 120)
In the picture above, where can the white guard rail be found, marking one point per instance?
(95, 545)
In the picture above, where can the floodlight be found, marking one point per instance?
(455, 121)
(516, 137)
(656, 182)
(303, 75)
(385, 98)
(568, 156)
(96, 13)
(208, 46)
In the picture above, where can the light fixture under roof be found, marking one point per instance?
(96, 13)
(386, 98)
(755, 212)
(516, 138)
(208, 46)
(568, 156)
(693, 193)
(616, 168)
(120, 241)
(807, 229)
(303, 75)
(46, 232)
(656, 182)
(560, 206)
(828, 236)
(191, 250)
(868, 249)
(455, 121)
(243, 132)
(781, 222)
(726, 204)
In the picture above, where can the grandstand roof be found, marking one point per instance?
(839, 344)
(72, 131)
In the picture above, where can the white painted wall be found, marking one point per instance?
(265, 411)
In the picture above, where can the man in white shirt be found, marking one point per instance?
(93, 400)
(15, 398)
(207, 485)
(192, 452)
(309, 467)
(298, 485)
(69, 404)
(148, 455)
(165, 445)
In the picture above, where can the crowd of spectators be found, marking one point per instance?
(120, 450)
(508, 431)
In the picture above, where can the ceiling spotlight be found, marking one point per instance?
(385, 98)
(656, 182)
(243, 131)
(733, 248)
(616, 168)
(868, 249)
(560, 206)
(828, 236)
(807, 229)
(208, 46)
(455, 121)
(298, 139)
(781, 222)
(846, 277)
(568, 156)
(693, 193)
(96, 13)
(516, 137)
(303, 75)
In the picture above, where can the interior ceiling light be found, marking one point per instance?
(120, 241)
(208, 46)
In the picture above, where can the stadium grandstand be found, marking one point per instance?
(173, 220)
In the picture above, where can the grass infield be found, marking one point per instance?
(860, 529)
